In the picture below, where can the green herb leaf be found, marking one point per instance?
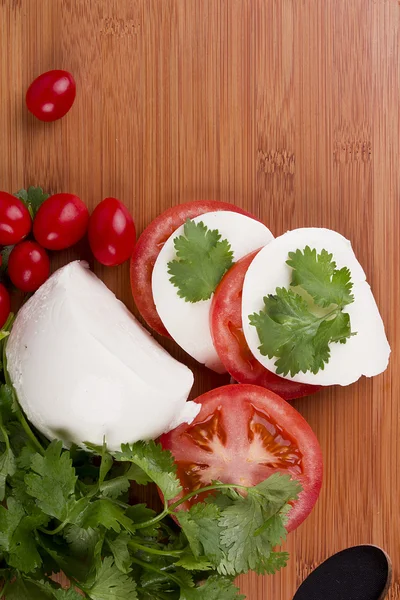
(33, 198)
(198, 524)
(106, 514)
(120, 551)
(296, 332)
(202, 260)
(158, 464)
(215, 588)
(299, 339)
(250, 526)
(53, 482)
(111, 584)
(317, 275)
(192, 563)
(7, 468)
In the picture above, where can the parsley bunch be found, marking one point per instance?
(298, 324)
(68, 511)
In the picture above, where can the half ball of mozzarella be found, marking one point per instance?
(83, 367)
(367, 353)
(186, 322)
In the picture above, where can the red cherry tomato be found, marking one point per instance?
(51, 95)
(227, 333)
(61, 221)
(15, 220)
(5, 304)
(28, 266)
(148, 248)
(243, 434)
(112, 233)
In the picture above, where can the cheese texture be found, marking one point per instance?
(83, 367)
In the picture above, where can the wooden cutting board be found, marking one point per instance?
(289, 108)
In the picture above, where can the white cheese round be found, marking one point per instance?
(367, 353)
(186, 322)
(84, 368)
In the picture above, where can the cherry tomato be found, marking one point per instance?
(28, 266)
(230, 342)
(148, 248)
(243, 434)
(51, 95)
(5, 304)
(15, 220)
(61, 221)
(112, 233)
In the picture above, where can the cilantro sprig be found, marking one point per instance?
(202, 259)
(67, 510)
(298, 325)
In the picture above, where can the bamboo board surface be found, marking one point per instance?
(289, 108)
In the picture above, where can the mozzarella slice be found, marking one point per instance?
(188, 323)
(367, 353)
(84, 368)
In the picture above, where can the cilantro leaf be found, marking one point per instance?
(7, 469)
(111, 584)
(317, 274)
(215, 588)
(103, 512)
(299, 339)
(33, 198)
(250, 526)
(16, 536)
(192, 563)
(82, 542)
(158, 464)
(198, 524)
(120, 551)
(202, 260)
(293, 330)
(53, 482)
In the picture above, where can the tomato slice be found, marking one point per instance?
(148, 248)
(242, 435)
(230, 342)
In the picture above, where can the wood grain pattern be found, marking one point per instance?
(289, 108)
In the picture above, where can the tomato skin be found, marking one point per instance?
(5, 304)
(112, 233)
(28, 266)
(217, 445)
(148, 248)
(15, 220)
(51, 95)
(230, 342)
(60, 222)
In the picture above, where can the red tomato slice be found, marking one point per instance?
(230, 342)
(149, 246)
(242, 435)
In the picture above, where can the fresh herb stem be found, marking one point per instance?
(149, 567)
(153, 521)
(56, 530)
(5, 436)
(19, 413)
(135, 546)
(29, 432)
(170, 510)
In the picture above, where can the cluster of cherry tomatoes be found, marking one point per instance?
(61, 220)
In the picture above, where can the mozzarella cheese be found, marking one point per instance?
(367, 353)
(186, 322)
(84, 368)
